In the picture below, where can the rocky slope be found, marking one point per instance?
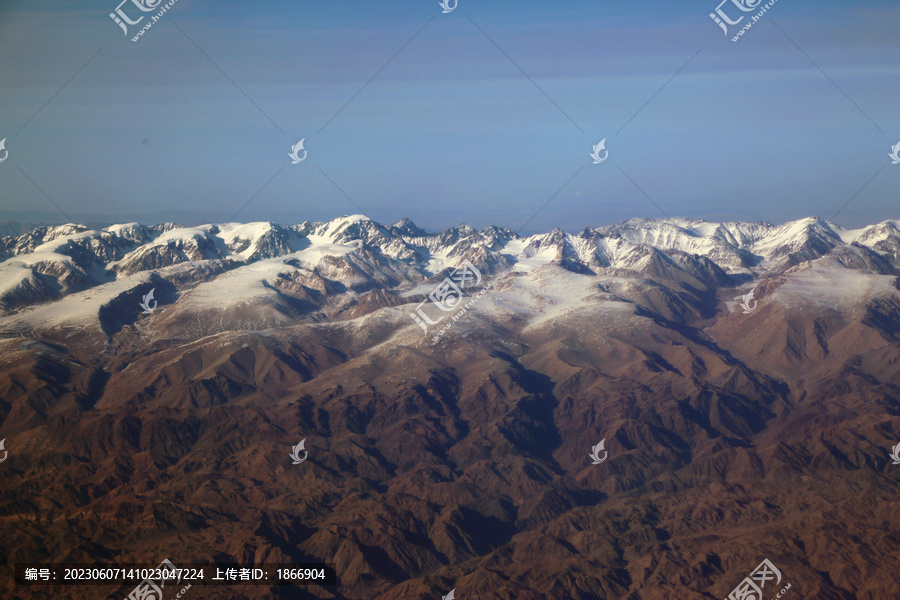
(737, 428)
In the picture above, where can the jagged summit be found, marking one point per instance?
(221, 263)
(743, 377)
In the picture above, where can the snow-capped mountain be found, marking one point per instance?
(51, 263)
(743, 375)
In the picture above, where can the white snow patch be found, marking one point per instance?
(836, 288)
(80, 308)
(544, 294)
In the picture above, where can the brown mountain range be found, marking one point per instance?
(462, 464)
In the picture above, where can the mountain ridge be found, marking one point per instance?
(79, 258)
(738, 428)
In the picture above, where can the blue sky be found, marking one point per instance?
(450, 130)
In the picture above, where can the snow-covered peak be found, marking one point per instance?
(50, 262)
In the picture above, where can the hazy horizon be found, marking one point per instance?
(95, 222)
(483, 115)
